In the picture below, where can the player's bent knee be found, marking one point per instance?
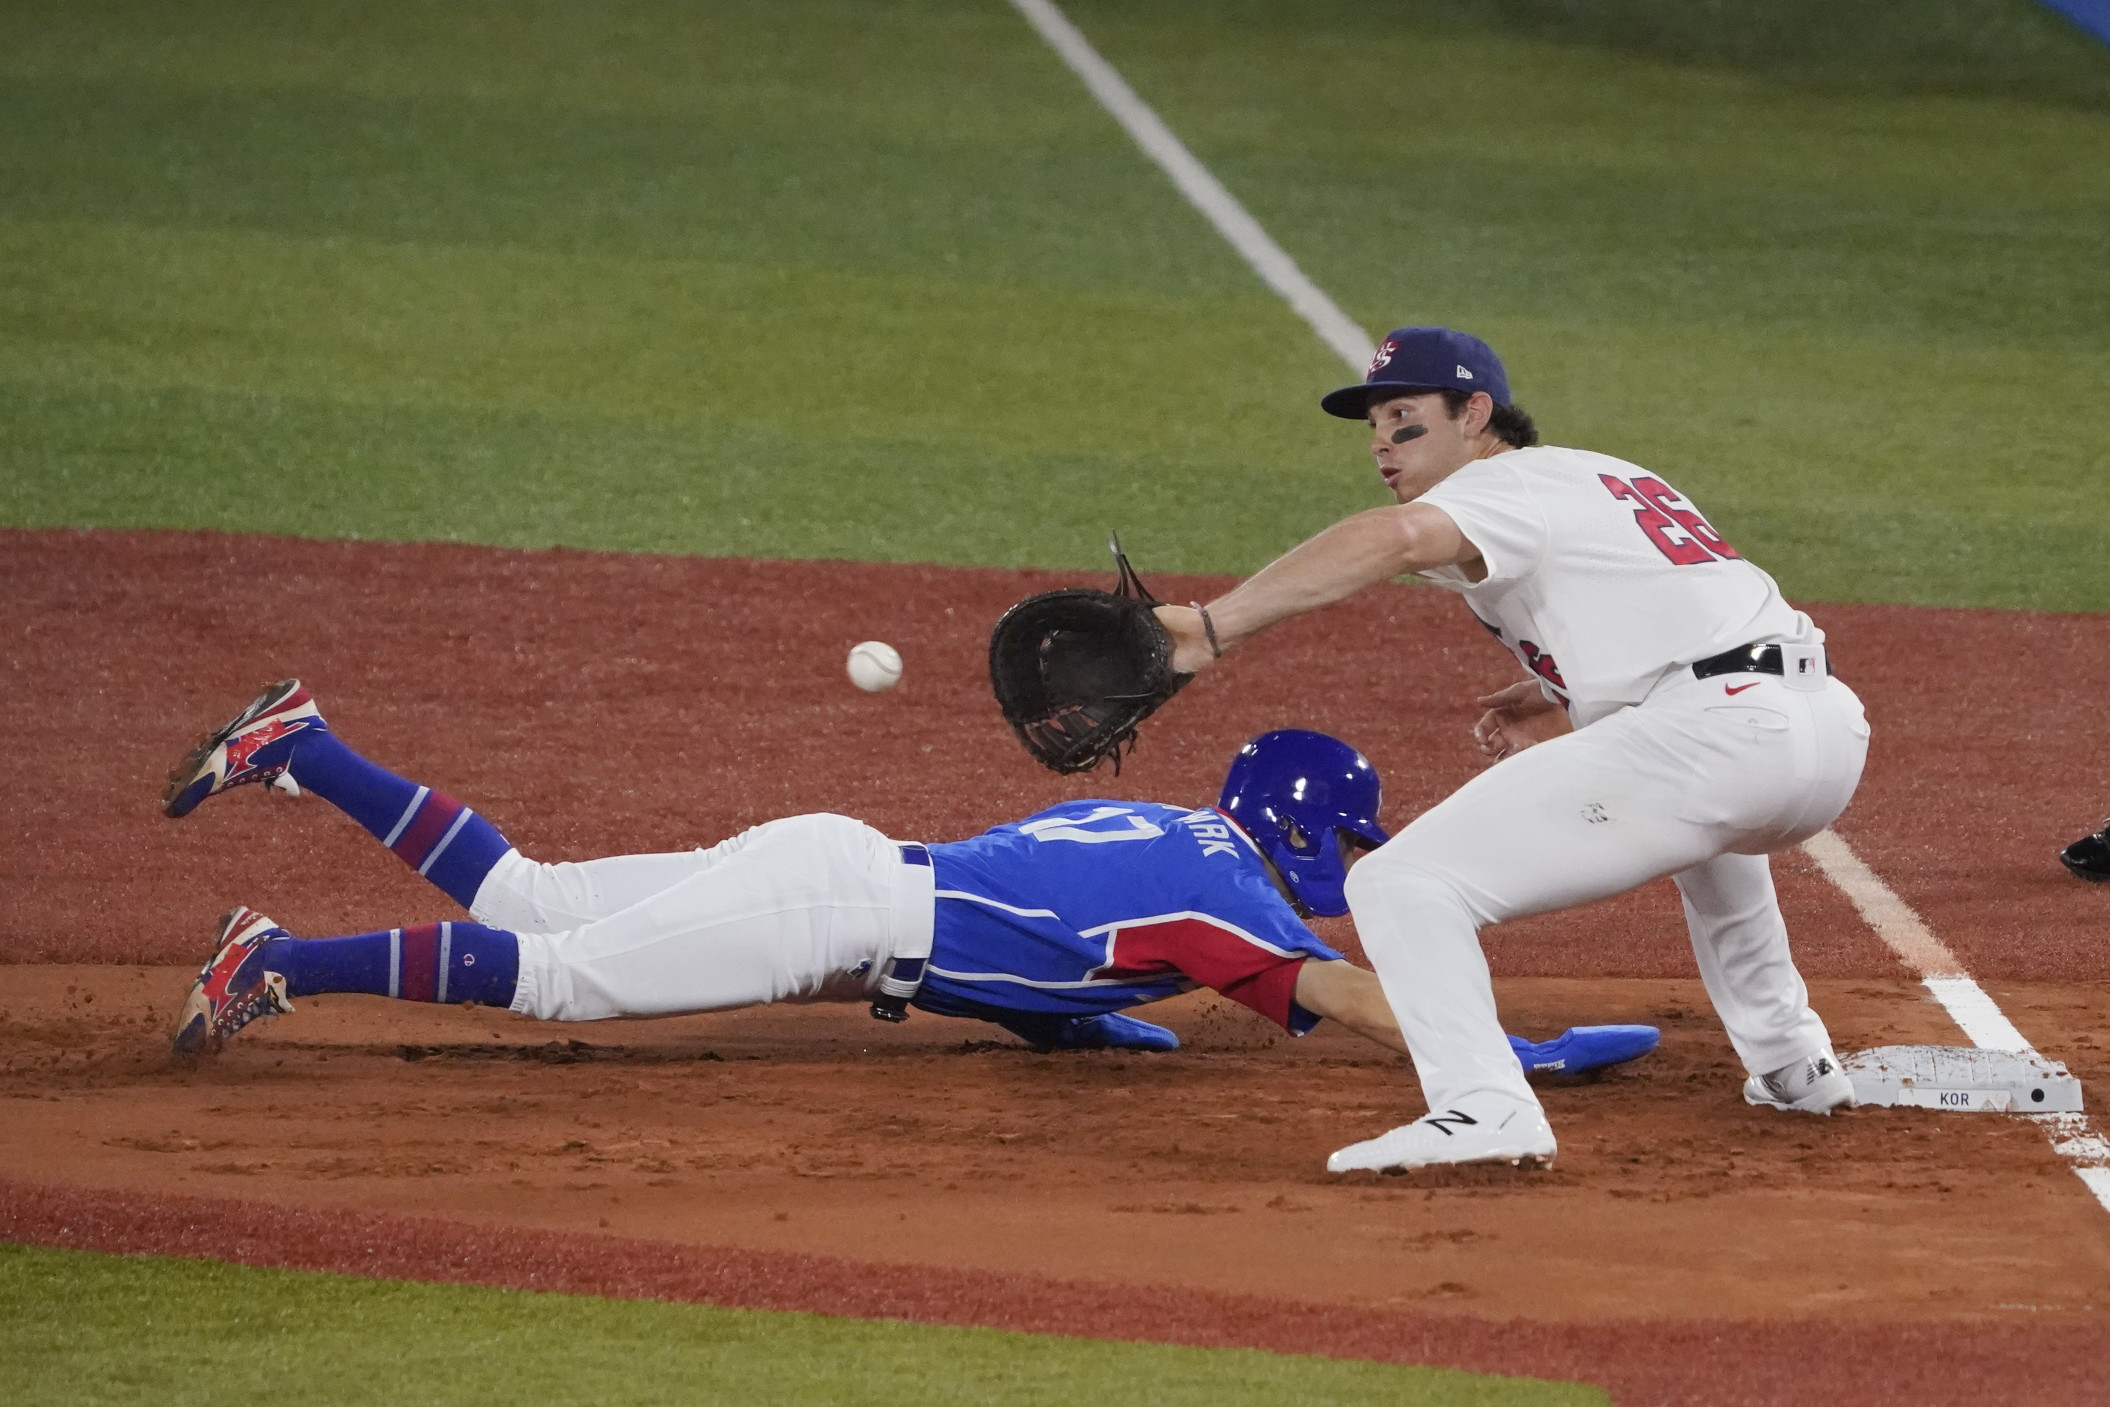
(504, 899)
(1389, 867)
(1361, 887)
(1396, 901)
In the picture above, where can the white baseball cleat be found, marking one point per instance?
(1812, 1085)
(1483, 1129)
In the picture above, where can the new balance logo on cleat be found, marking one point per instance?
(1505, 1131)
(1814, 1085)
(1447, 1118)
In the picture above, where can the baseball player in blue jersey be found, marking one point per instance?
(1051, 927)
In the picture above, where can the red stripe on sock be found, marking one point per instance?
(420, 976)
(425, 830)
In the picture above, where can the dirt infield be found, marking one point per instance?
(595, 704)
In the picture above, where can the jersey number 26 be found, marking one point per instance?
(1674, 525)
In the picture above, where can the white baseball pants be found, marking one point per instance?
(804, 909)
(1692, 782)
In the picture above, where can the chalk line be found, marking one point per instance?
(1195, 181)
(1969, 1005)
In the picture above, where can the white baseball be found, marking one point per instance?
(875, 666)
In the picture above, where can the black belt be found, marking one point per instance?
(1747, 659)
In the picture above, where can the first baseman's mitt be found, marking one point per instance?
(1076, 670)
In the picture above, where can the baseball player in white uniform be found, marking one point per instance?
(1702, 730)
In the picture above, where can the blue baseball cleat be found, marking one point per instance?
(1107, 1031)
(1580, 1049)
(1113, 1031)
(256, 745)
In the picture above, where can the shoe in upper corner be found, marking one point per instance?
(2089, 857)
(1480, 1128)
(233, 988)
(1813, 1085)
(1585, 1050)
(255, 745)
(1110, 1030)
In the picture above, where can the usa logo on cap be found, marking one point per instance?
(1423, 359)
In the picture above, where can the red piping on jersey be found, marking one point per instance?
(1217, 954)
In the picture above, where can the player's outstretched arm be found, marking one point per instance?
(1356, 552)
(1340, 991)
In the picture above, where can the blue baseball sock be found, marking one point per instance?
(428, 830)
(428, 962)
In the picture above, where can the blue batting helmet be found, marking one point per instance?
(1291, 790)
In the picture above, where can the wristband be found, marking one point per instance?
(1216, 651)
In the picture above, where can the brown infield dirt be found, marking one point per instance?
(1685, 1248)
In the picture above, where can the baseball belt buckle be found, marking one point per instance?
(1802, 668)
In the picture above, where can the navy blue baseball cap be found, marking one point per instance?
(1423, 359)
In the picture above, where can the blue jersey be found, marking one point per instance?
(1094, 906)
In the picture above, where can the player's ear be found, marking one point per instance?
(1478, 412)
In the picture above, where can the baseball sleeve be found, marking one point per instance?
(1248, 946)
(1225, 959)
(1494, 507)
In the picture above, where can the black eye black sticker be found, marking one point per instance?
(1412, 432)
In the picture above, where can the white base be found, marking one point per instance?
(1962, 1080)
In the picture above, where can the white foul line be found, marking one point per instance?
(1974, 1012)
(1967, 1003)
(1244, 234)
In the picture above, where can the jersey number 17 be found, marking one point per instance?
(1673, 524)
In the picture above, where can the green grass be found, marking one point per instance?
(865, 280)
(77, 1327)
(879, 280)
(1868, 328)
(1963, 47)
